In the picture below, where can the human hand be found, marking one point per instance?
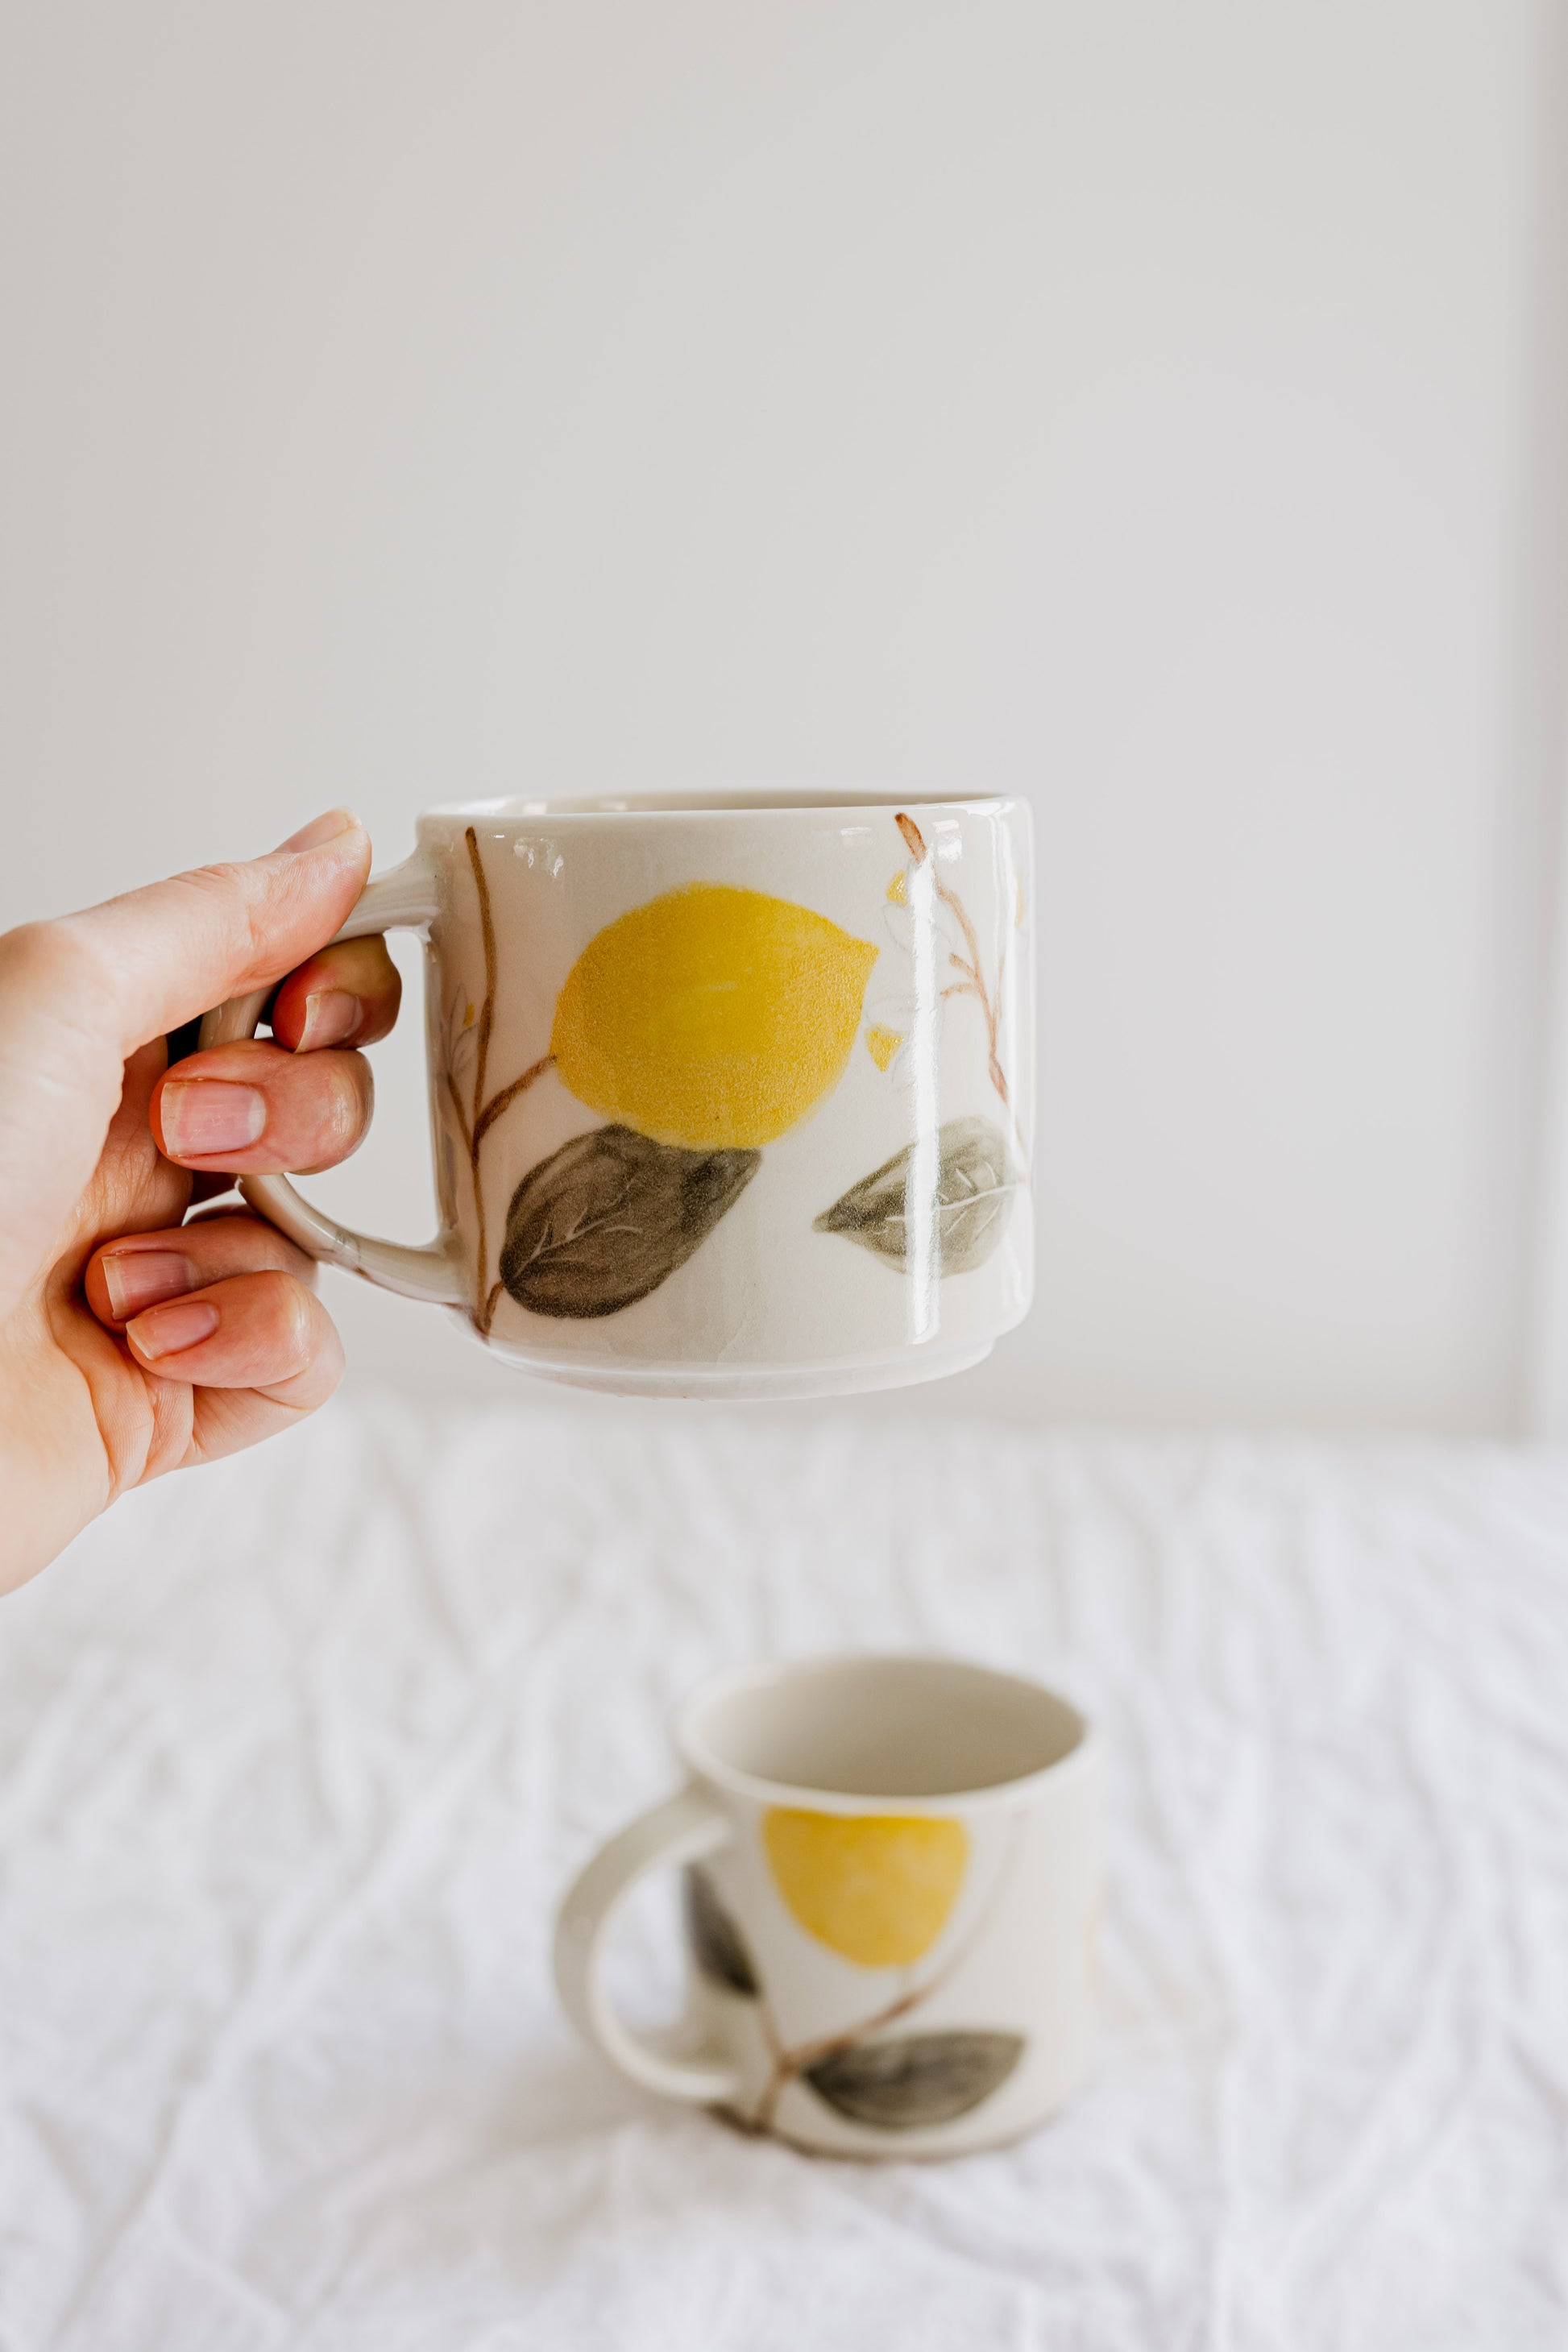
(133, 1341)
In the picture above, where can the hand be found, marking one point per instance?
(131, 1340)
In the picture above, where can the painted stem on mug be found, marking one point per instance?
(474, 1129)
(972, 979)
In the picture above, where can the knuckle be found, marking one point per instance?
(358, 1099)
(346, 1107)
(291, 1313)
(329, 1364)
(286, 1262)
(57, 957)
(227, 887)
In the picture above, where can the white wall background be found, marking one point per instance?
(1147, 407)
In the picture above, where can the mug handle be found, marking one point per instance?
(683, 1829)
(402, 899)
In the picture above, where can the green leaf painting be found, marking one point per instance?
(610, 1216)
(976, 1185)
(917, 2079)
(718, 1946)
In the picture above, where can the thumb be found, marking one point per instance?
(158, 957)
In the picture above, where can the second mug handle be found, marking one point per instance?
(403, 899)
(683, 1829)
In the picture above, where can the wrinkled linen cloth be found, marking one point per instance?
(297, 1754)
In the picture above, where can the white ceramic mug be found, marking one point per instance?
(892, 1895)
(728, 1099)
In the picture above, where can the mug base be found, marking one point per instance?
(747, 1383)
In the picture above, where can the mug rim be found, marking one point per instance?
(521, 808)
(702, 1761)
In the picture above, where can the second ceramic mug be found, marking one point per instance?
(731, 1098)
(893, 1888)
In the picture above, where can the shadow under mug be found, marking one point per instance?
(728, 1099)
(893, 1879)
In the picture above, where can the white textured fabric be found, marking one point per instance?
(295, 1755)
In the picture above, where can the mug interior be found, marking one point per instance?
(922, 1729)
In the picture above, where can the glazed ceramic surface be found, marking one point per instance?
(892, 1879)
(733, 1100)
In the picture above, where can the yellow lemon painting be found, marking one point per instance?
(712, 1017)
(877, 1889)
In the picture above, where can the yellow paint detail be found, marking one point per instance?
(898, 888)
(878, 1888)
(883, 1043)
(710, 1017)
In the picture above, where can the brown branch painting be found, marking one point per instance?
(972, 979)
(475, 1121)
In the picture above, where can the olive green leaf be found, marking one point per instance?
(717, 1944)
(920, 2078)
(610, 1216)
(975, 1181)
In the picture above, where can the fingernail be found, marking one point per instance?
(139, 1278)
(201, 1116)
(168, 1330)
(332, 1017)
(322, 828)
